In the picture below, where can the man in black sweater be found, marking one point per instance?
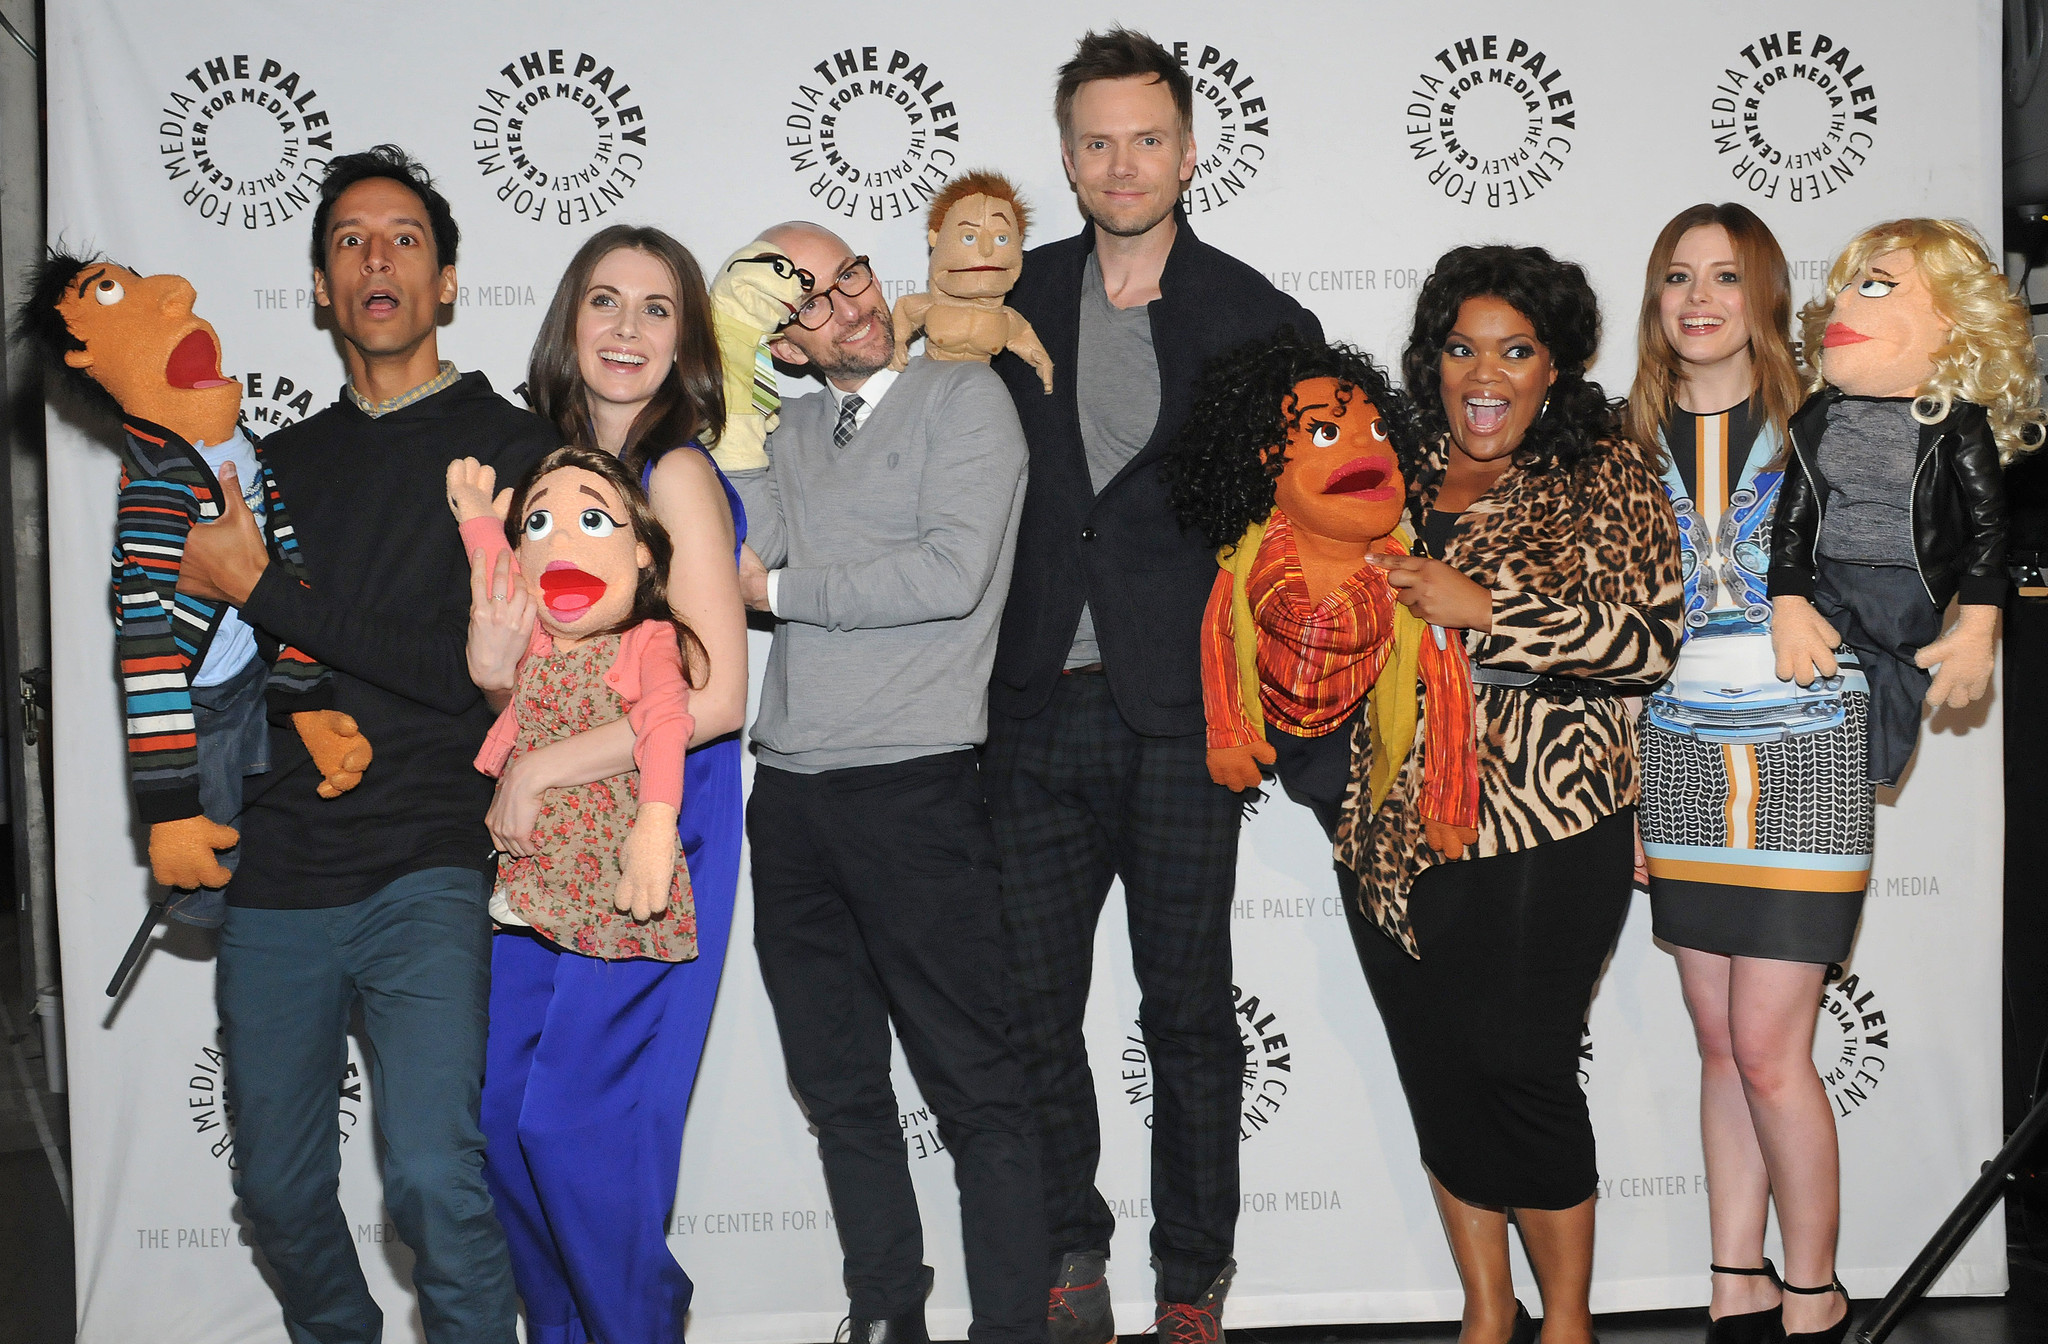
(378, 897)
(1096, 763)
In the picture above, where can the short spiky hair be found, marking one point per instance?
(1121, 53)
(42, 328)
(980, 182)
(392, 162)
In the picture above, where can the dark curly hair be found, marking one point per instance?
(1578, 421)
(1222, 465)
(42, 328)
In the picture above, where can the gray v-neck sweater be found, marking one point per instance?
(895, 556)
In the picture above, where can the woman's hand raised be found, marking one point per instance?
(501, 616)
(1437, 593)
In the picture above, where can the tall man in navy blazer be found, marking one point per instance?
(1096, 765)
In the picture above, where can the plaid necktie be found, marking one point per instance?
(842, 433)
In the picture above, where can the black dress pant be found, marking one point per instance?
(875, 900)
(1079, 799)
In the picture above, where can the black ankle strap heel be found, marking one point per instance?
(1749, 1327)
(1835, 1333)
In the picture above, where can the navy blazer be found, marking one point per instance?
(1122, 551)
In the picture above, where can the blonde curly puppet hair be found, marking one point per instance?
(1989, 356)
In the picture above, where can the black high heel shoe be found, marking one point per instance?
(1526, 1329)
(1750, 1327)
(1835, 1333)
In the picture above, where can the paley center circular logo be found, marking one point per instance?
(213, 1120)
(559, 137)
(270, 401)
(872, 133)
(1490, 120)
(1231, 126)
(243, 140)
(1852, 1046)
(1268, 1065)
(1794, 115)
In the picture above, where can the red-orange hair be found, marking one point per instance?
(980, 182)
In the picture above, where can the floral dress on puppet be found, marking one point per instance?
(199, 683)
(604, 879)
(1756, 810)
(755, 293)
(1288, 468)
(1894, 499)
(976, 233)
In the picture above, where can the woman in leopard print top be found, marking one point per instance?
(1556, 558)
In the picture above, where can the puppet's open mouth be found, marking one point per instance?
(1841, 333)
(1365, 477)
(195, 363)
(569, 592)
(958, 270)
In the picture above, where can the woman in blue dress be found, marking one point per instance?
(1757, 807)
(591, 1062)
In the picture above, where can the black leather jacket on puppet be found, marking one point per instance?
(1958, 507)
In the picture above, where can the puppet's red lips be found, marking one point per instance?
(195, 363)
(1841, 333)
(1365, 477)
(567, 591)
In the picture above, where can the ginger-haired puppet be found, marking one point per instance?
(199, 682)
(975, 230)
(604, 878)
(1288, 467)
(756, 292)
(1925, 386)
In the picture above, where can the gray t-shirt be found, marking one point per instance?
(1867, 456)
(1117, 384)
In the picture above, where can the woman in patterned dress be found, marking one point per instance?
(1556, 558)
(592, 1061)
(1757, 807)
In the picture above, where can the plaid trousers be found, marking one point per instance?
(1079, 798)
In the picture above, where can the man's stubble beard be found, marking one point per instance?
(838, 365)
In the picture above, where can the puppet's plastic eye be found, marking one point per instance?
(1002, 240)
(1322, 433)
(967, 237)
(538, 524)
(597, 523)
(1876, 289)
(1379, 430)
(109, 292)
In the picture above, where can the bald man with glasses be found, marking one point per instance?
(884, 525)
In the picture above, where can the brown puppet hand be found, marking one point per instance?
(1962, 659)
(181, 852)
(647, 864)
(1238, 767)
(338, 748)
(1449, 840)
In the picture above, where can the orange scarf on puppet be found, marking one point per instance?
(1288, 468)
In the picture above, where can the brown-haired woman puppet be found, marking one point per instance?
(1287, 466)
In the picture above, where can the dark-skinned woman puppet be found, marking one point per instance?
(975, 230)
(1894, 496)
(1288, 466)
(199, 683)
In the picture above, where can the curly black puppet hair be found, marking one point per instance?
(1223, 464)
(1577, 421)
(41, 327)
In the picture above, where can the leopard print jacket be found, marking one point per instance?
(1583, 565)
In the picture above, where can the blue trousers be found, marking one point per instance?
(415, 956)
(585, 1092)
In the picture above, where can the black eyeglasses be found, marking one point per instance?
(816, 311)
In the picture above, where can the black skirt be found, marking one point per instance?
(1486, 1026)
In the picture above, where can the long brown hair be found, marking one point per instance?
(650, 595)
(1767, 298)
(691, 399)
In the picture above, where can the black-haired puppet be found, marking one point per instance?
(605, 879)
(1287, 466)
(975, 229)
(1894, 498)
(199, 682)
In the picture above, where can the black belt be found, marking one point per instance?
(1553, 688)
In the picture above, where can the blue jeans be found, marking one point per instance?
(416, 955)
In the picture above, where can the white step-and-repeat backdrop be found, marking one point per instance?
(1343, 147)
